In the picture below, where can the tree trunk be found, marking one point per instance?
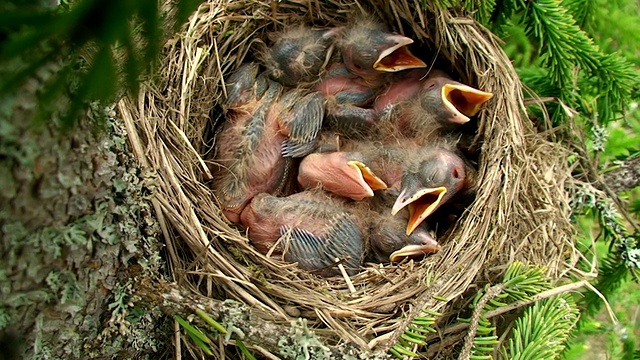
(73, 220)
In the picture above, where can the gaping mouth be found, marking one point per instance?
(369, 181)
(421, 204)
(411, 251)
(398, 57)
(463, 101)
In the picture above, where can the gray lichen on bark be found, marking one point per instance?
(75, 221)
(625, 176)
(292, 340)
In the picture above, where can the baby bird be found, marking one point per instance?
(367, 54)
(368, 51)
(389, 242)
(423, 177)
(420, 103)
(387, 238)
(437, 176)
(358, 169)
(341, 173)
(309, 228)
(264, 129)
(299, 53)
(316, 230)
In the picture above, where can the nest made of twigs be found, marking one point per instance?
(520, 213)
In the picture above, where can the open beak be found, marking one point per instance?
(411, 251)
(421, 204)
(398, 57)
(366, 178)
(463, 101)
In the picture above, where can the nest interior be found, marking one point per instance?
(520, 213)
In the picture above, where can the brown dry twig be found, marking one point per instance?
(286, 341)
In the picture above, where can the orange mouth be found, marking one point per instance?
(463, 101)
(398, 58)
(421, 204)
(369, 181)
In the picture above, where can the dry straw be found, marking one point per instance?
(521, 211)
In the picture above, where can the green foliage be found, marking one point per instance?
(622, 258)
(95, 47)
(587, 59)
(583, 12)
(533, 336)
(616, 248)
(203, 338)
(635, 206)
(243, 349)
(615, 27)
(214, 324)
(415, 334)
(198, 337)
(599, 336)
(520, 283)
(576, 70)
(5, 318)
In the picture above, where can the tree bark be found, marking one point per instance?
(73, 219)
(287, 341)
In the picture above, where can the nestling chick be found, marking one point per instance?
(313, 228)
(298, 54)
(438, 175)
(263, 130)
(421, 104)
(423, 177)
(387, 238)
(368, 53)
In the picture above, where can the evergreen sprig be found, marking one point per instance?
(520, 282)
(577, 72)
(583, 12)
(92, 47)
(562, 44)
(543, 330)
(415, 335)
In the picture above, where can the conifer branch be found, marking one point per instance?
(533, 336)
(517, 305)
(576, 67)
(624, 176)
(468, 346)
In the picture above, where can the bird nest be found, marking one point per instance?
(520, 212)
